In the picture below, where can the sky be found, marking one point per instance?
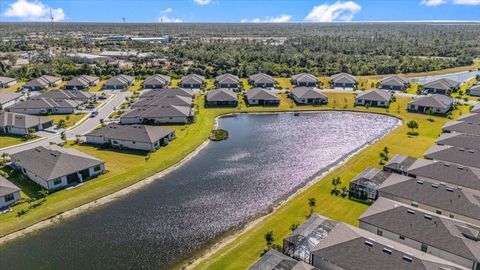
(234, 11)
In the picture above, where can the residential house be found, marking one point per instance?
(440, 236)
(274, 260)
(55, 167)
(394, 83)
(399, 164)
(459, 140)
(164, 114)
(6, 82)
(45, 105)
(42, 83)
(470, 118)
(261, 97)
(373, 98)
(192, 81)
(343, 81)
(308, 96)
(304, 80)
(474, 90)
(221, 98)
(167, 92)
(436, 104)
(433, 196)
(462, 127)
(442, 86)
(453, 154)
(157, 81)
(139, 137)
(20, 124)
(300, 243)
(348, 247)
(119, 82)
(76, 95)
(163, 100)
(364, 186)
(476, 108)
(82, 82)
(9, 193)
(228, 81)
(261, 80)
(8, 99)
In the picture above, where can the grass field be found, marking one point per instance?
(12, 89)
(70, 119)
(8, 140)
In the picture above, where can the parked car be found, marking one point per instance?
(102, 97)
(93, 114)
(90, 106)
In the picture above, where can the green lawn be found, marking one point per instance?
(12, 89)
(8, 140)
(71, 119)
(284, 83)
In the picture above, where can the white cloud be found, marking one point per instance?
(432, 3)
(202, 2)
(338, 11)
(466, 2)
(279, 19)
(167, 10)
(33, 11)
(166, 19)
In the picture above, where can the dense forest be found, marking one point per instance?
(242, 49)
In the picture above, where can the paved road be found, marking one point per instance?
(81, 129)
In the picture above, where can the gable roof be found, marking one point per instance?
(375, 94)
(304, 78)
(42, 81)
(5, 80)
(476, 108)
(475, 87)
(163, 100)
(260, 93)
(343, 78)
(157, 79)
(462, 127)
(69, 94)
(83, 80)
(221, 95)
(53, 162)
(261, 78)
(443, 83)
(459, 201)
(168, 92)
(163, 111)
(308, 92)
(7, 187)
(7, 97)
(192, 79)
(46, 103)
(275, 260)
(460, 140)
(393, 80)
(23, 121)
(400, 163)
(453, 154)
(371, 177)
(433, 101)
(471, 118)
(227, 79)
(438, 232)
(137, 133)
(120, 80)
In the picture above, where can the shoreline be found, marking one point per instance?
(228, 239)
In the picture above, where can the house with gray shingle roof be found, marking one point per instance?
(157, 81)
(261, 80)
(462, 127)
(437, 104)
(7, 82)
(8, 99)
(399, 164)
(393, 83)
(434, 234)
(119, 82)
(459, 140)
(433, 196)
(139, 137)
(364, 186)
(441, 86)
(221, 98)
(45, 105)
(470, 118)
(164, 114)
(308, 96)
(82, 82)
(373, 98)
(9, 193)
(228, 81)
(348, 247)
(261, 97)
(20, 124)
(55, 167)
(458, 155)
(42, 83)
(192, 81)
(275, 260)
(476, 108)
(153, 101)
(76, 95)
(474, 90)
(343, 80)
(167, 92)
(304, 80)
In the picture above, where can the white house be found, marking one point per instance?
(9, 193)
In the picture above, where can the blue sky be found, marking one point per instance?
(238, 10)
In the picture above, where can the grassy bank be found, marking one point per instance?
(9, 140)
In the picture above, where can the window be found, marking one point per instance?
(97, 168)
(401, 237)
(9, 197)
(424, 247)
(379, 232)
(57, 181)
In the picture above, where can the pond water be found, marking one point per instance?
(459, 77)
(266, 157)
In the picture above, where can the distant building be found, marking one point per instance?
(192, 81)
(82, 82)
(139, 137)
(20, 124)
(228, 81)
(8, 99)
(221, 98)
(261, 97)
(7, 82)
(56, 167)
(86, 58)
(119, 82)
(308, 96)
(343, 81)
(9, 193)
(365, 185)
(42, 83)
(441, 86)
(304, 80)
(373, 98)
(262, 80)
(437, 104)
(157, 81)
(119, 55)
(393, 83)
